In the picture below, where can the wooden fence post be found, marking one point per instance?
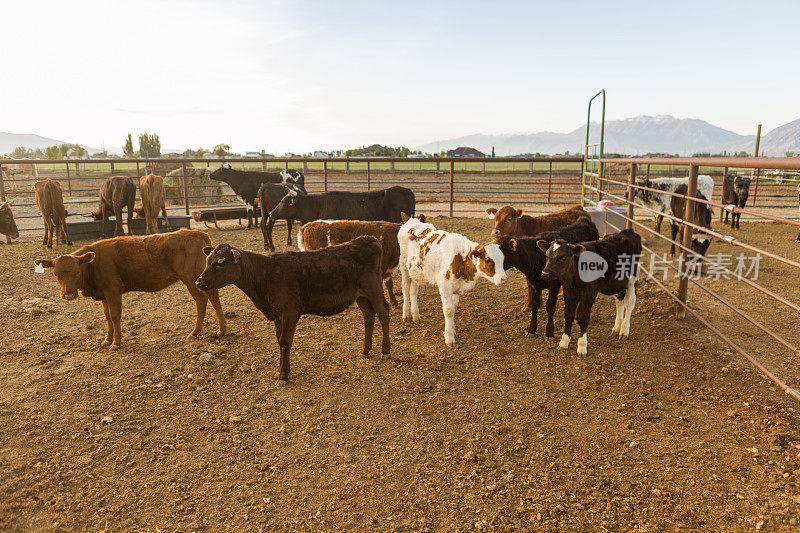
(549, 180)
(688, 215)
(137, 170)
(368, 176)
(452, 182)
(2, 187)
(325, 174)
(263, 161)
(69, 180)
(185, 187)
(531, 168)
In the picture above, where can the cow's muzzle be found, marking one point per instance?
(548, 276)
(495, 233)
(202, 284)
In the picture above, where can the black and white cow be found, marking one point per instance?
(702, 217)
(660, 201)
(579, 268)
(735, 191)
(245, 183)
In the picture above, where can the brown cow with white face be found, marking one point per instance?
(107, 269)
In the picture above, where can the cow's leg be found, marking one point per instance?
(674, 234)
(115, 310)
(584, 314)
(413, 290)
(369, 322)
(288, 325)
(109, 325)
(381, 308)
(166, 219)
(725, 211)
(130, 218)
(405, 286)
(268, 245)
(213, 296)
(64, 228)
(250, 213)
(200, 300)
(46, 230)
(118, 220)
(630, 303)
(659, 220)
(529, 298)
(619, 301)
(550, 306)
(389, 284)
(288, 230)
(103, 220)
(536, 304)
(570, 304)
(449, 310)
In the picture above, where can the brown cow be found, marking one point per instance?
(8, 226)
(51, 204)
(107, 269)
(324, 233)
(512, 222)
(153, 195)
(115, 193)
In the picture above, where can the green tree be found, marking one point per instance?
(63, 150)
(52, 152)
(127, 149)
(221, 150)
(149, 145)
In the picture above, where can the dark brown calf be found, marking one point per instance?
(513, 222)
(321, 234)
(107, 269)
(286, 286)
(115, 193)
(51, 204)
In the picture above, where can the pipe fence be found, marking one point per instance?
(443, 186)
(622, 191)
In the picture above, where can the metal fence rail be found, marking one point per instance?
(680, 295)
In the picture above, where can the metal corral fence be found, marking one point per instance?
(443, 186)
(611, 185)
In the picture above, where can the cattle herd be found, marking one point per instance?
(350, 245)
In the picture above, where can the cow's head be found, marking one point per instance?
(488, 262)
(741, 185)
(8, 226)
(70, 271)
(560, 258)
(508, 246)
(222, 267)
(221, 173)
(294, 177)
(289, 206)
(505, 220)
(700, 243)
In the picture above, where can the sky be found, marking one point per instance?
(302, 75)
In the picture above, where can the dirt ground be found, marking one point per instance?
(669, 430)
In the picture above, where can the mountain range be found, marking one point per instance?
(636, 135)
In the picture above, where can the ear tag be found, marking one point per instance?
(730, 207)
(491, 216)
(475, 261)
(39, 269)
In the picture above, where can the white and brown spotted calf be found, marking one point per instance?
(450, 261)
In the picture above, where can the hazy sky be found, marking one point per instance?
(299, 75)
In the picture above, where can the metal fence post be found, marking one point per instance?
(305, 166)
(185, 188)
(325, 174)
(483, 168)
(452, 170)
(629, 195)
(137, 170)
(531, 168)
(368, 176)
(724, 178)
(263, 161)
(112, 168)
(69, 180)
(600, 175)
(688, 215)
(391, 166)
(347, 166)
(549, 180)
(2, 187)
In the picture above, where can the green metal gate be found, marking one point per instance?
(592, 168)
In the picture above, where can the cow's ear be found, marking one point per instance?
(543, 245)
(88, 257)
(578, 249)
(207, 250)
(44, 263)
(421, 217)
(519, 213)
(236, 255)
(491, 211)
(512, 243)
(405, 218)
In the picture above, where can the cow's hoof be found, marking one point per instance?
(218, 334)
(282, 382)
(115, 347)
(564, 342)
(105, 342)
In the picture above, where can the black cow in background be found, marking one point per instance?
(702, 217)
(245, 183)
(384, 204)
(735, 191)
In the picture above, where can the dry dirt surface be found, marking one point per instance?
(669, 430)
